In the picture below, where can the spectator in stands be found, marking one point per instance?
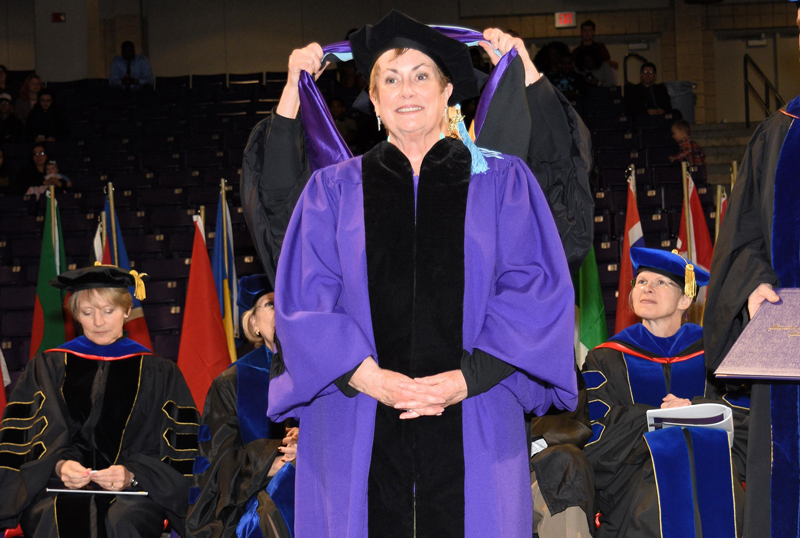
(130, 71)
(237, 440)
(11, 127)
(5, 84)
(691, 152)
(597, 72)
(5, 175)
(102, 411)
(32, 175)
(568, 81)
(588, 30)
(28, 96)
(548, 59)
(54, 177)
(46, 122)
(647, 97)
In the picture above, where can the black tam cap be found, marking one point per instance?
(396, 30)
(100, 276)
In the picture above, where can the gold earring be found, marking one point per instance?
(258, 333)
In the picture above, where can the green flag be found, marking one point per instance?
(48, 314)
(590, 315)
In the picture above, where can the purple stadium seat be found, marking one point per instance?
(653, 220)
(163, 220)
(147, 246)
(169, 269)
(245, 79)
(183, 178)
(167, 345)
(602, 223)
(162, 160)
(609, 274)
(166, 292)
(17, 324)
(620, 158)
(247, 265)
(12, 275)
(649, 197)
(606, 251)
(163, 318)
(610, 300)
(17, 298)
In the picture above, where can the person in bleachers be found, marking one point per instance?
(12, 130)
(755, 252)
(100, 413)
(130, 71)
(647, 97)
(241, 450)
(567, 80)
(659, 363)
(54, 177)
(33, 174)
(28, 96)
(690, 152)
(588, 31)
(46, 122)
(591, 65)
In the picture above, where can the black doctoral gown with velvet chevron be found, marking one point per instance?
(100, 406)
(618, 403)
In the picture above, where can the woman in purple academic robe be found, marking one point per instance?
(424, 305)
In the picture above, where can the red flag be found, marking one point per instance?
(203, 353)
(3, 376)
(723, 207)
(633, 237)
(702, 248)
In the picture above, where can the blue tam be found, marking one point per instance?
(251, 288)
(666, 263)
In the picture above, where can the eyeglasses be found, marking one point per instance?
(39, 154)
(648, 72)
(658, 284)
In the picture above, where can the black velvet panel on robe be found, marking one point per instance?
(415, 265)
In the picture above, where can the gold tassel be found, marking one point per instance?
(454, 117)
(139, 292)
(690, 285)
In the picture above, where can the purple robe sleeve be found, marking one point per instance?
(529, 315)
(320, 339)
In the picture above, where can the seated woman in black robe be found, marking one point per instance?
(102, 413)
(659, 363)
(241, 450)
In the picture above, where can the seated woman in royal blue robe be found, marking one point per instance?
(244, 475)
(101, 413)
(659, 363)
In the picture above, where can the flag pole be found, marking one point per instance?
(734, 173)
(103, 230)
(687, 210)
(113, 225)
(720, 192)
(224, 224)
(53, 223)
(203, 218)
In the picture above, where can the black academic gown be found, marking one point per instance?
(551, 138)
(233, 465)
(624, 477)
(743, 260)
(129, 408)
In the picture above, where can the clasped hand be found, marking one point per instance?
(75, 476)
(424, 396)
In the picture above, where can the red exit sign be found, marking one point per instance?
(565, 19)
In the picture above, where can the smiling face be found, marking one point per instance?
(657, 297)
(409, 94)
(101, 317)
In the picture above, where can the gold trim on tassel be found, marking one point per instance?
(139, 292)
(690, 282)
(454, 117)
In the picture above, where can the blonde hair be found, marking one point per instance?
(117, 296)
(247, 323)
(376, 72)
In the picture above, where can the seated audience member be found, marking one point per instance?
(244, 457)
(691, 152)
(659, 363)
(597, 72)
(588, 30)
(54, 177)
(100, 412)
(568, 81)
(46, 122)
(548, 59)
(130, 71)
(11, 127)
(346, 126)
(28, 96)
(647, 97)
(5, 176)
(32, 176)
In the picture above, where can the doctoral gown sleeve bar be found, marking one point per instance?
(529, 276)
(320, 339)
(560, 156)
